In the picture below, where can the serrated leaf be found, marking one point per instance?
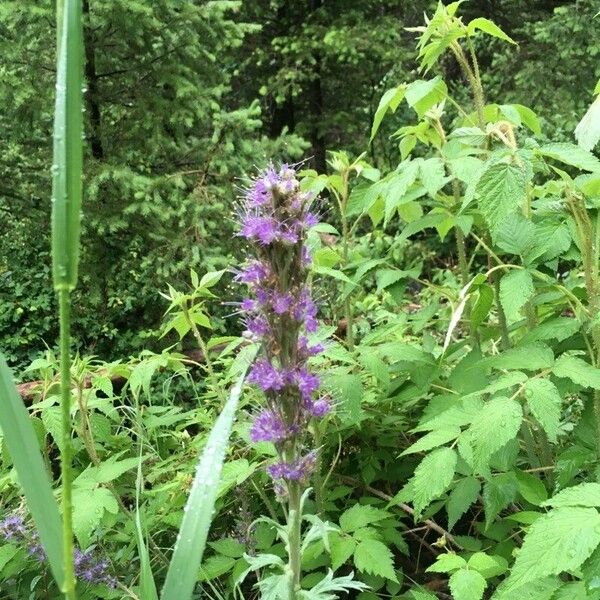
(529, 357)
(488, 566)
(544, 401)
(516, 289)
(375, 558)
(467, 585)
(577, 370)
(361, 515)
(584, 494)
(570, 154)
(488, 27)
(342, 548)
(497, 424)
(432, 477)
(502, 190)
(587, 132)
(446, 563)
(531, 488)
(328, 584)
(465, 493)
(389, 102)
(421, 95)
(432, 440)
(498, 492)
(559, 541)
(89, 506)
(541, 589)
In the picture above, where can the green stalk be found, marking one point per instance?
(67, 447)
(294, 533)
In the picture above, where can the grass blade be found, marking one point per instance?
(68, 148)
(147, 585)
(24, 450)
(198, 513)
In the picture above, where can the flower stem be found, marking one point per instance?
(294, 533)
(66, 454)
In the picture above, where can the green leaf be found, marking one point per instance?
(578, 371)
(570, 154)
(544, 401)
(422, 95)
(529, 357)
(464, 494)
(446, 563)
(559, 541)
(105, 472)
(389, 101)
(361, 515)
(584, 494)
(497, 424)
(68, 149)
(498, 492)
(189, 548)
(467, 585)
(24, 450)
(328, 584)
(488, 566)
(502, 190)
(531, 488)
(516, 289)
(89, 506)
(432, 477)
(541, 589)
(488, 27)
(342, 548)
(375, 558)
(587, 131)
(432, 440)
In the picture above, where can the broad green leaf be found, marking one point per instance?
(531, 488)
(24, 450)
(584, 494)
(559, 541)
(571, 154)
(587, 132)
(432, 477)
(464, 494)
(529, 118)
(544, 401)
(375, 558)
(89, 507)
(541, 589)
(421, 95)
(530, 357)
(578, 371)
(432, 440)
(497, 424)
(488, 27)
(467, 585)
(397, 187)
(516, 289)
(559, 328)
(342, 548)
(389, 102)
(185, 563)
(502, 190)
(515, 235)
(447, 563)
(105, 472)
(488, 566)
(498, 492)
(361, 515)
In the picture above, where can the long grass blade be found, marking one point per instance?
(198, 513)
(68, 148)
(24, 450)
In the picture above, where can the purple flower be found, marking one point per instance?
(12, 528)
(307, 382)
(263, 229)
(298, 470)
(258, 326)
(248, 305)
(282, 302)
(268, 427)
(319, 408)
(266, 376)
(91, 569)
(254, 272)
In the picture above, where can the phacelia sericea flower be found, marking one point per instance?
(279, 313)
(89, 566)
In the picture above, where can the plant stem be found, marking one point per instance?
(348, 312)
(294, 533)
(66, 454)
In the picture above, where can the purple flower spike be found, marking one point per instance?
(268, 427)
(266, 376)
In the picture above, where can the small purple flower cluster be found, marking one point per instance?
(275, 218)
(88, 567)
